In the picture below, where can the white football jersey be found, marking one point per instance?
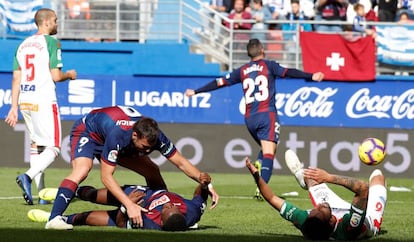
(35, 57)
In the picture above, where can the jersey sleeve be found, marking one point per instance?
(16, 65)
(165, 146)
(115, 141)
(293, 214)
(195, 209)
(350, 225)
(277, 69)
(53, 46)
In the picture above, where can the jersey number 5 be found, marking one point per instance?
(250, 84)
(30, 68)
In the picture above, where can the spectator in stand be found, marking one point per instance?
(290, 28)
(360, 22)
(405, 19)
(330, 10)
(261, 15)
(279, 9)
(387, 10)
(240, 16)
(213, 21)
(406, 6)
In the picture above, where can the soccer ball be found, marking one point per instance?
(371, 151)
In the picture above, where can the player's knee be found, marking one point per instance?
(376, 178)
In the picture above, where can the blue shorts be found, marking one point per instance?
(264, 126)
(82, 144)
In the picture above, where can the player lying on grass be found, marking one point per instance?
(331, 217)
(166, 210)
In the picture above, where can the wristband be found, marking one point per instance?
(123, 209)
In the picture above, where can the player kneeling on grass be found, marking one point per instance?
(166, 210)
(331, 217)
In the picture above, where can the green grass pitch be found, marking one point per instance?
(237, 218)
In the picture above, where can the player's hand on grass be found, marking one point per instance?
(205, 181)
(317, 174)
(189, 92)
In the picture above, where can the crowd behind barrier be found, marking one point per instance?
(214, 28)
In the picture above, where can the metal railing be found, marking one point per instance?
(190, 21)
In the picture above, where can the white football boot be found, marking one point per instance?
(295, 167)
(58, 223)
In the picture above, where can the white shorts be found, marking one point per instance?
(43, 123)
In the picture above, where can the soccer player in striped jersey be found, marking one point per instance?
(258, 80)
(166, 210)
(111, 134)
(36, 68)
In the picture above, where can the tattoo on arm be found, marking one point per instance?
(359, 187)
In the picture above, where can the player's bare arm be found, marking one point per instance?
(193, 172)
(13, 116)
(133, 210)
(59, 76)
(359, 187)
(265, 190)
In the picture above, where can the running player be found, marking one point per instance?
(37, 66)
(258, 82)
(111, 134)
(331, 217)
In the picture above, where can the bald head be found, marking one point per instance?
(46, 21)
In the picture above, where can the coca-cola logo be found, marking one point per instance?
(362, 105)
(304, 102)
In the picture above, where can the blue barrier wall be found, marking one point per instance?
(118, 58)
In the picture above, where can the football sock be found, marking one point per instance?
(64, 196)
(260, 156)
(42, 161)
(267, 167)
(40, 181)
(33, 160)
(78, 218)
(87, 193)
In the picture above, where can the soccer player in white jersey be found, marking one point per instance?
(331, 217)
(36, 67)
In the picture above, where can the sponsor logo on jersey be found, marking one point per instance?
(125, 122)
(159, 201)
(113, 155)
(355, 220)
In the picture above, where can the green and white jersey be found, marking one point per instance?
(349, 222)
(35, 57)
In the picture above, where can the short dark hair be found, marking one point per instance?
(175, 222)
(254, 48)
(42, 14)
(147, 128)
(315, 229)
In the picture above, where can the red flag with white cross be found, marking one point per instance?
(338, 57)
